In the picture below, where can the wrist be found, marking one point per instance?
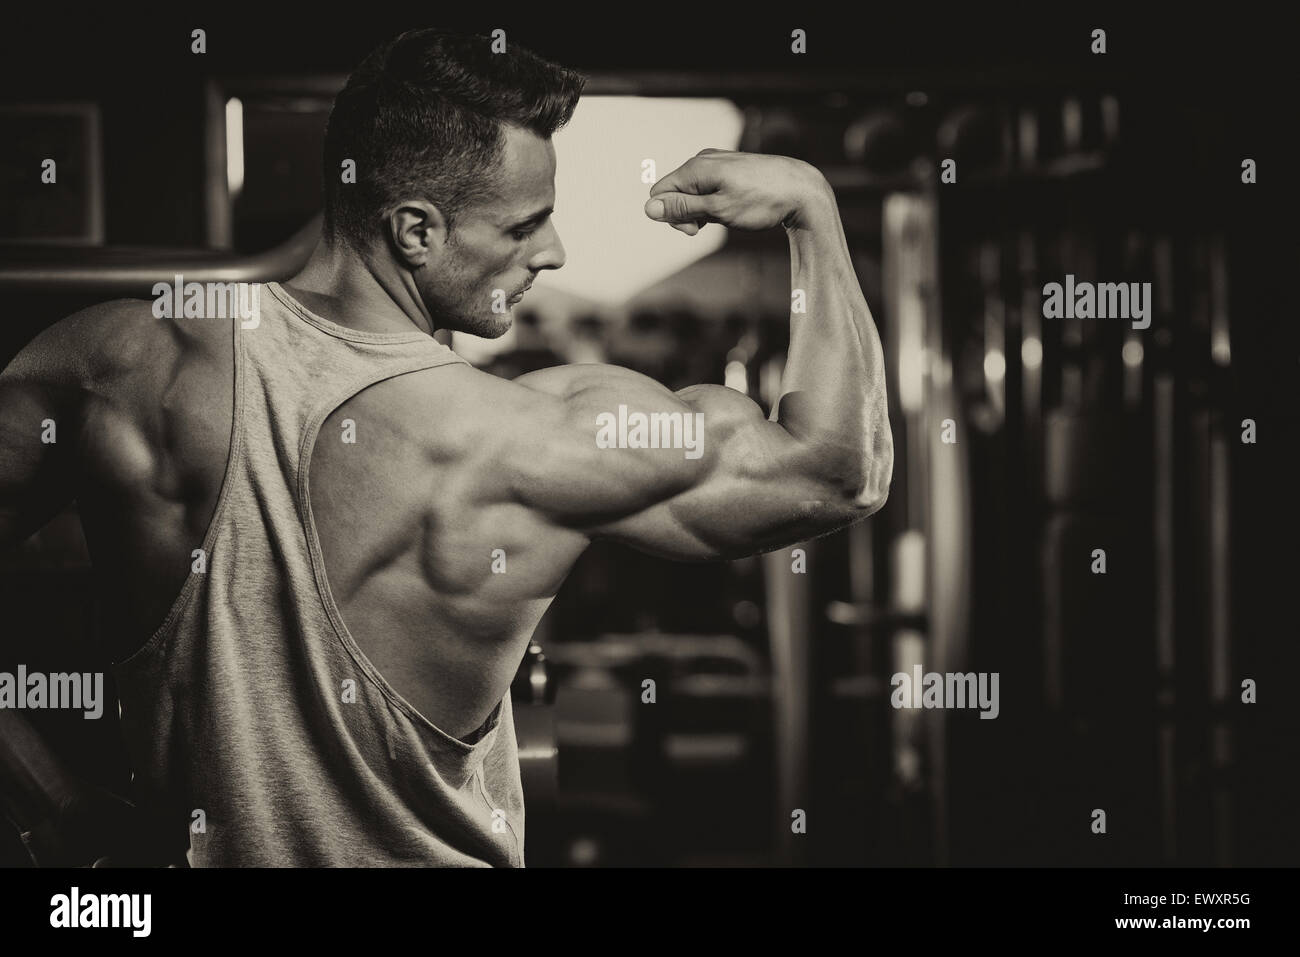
(815, 205)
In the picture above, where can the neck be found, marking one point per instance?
(346, 289)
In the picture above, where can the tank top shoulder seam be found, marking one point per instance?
(344, 332)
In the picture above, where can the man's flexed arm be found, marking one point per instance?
(833, 397)
(824, 459)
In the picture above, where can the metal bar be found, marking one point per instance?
(788, 632)
(280, 262)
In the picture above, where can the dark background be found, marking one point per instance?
(1094, 714)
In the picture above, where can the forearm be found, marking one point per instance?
(833, 390)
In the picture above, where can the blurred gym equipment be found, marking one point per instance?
(1023, 445)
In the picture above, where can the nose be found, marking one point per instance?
(551, 254)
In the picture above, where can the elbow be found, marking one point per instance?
(861, 501)
(872, 490)
(854, 482)
(868, 502)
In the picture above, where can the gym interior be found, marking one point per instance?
(1089, 510)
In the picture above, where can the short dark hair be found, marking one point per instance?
(422, 116)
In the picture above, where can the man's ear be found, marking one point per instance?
(418, 232)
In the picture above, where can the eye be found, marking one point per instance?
(521, 234)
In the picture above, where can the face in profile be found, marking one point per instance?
(498, 245)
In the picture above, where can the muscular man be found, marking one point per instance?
(323, 540)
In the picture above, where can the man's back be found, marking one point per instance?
(404, 507)
(429, 586)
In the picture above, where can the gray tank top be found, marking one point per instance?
(259, 733)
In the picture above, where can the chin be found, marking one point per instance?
(492, 326)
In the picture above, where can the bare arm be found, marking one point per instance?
(65, 821)
(38, 399)
(39, 403)
(822, 461)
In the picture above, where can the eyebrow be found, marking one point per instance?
(534, 219)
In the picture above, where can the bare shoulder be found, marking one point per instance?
(98, 345)
(504, 437)
(459, 407)
(491, 412)
(492, 396)
(117, 370)
(568, 380)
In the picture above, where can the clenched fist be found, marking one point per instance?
(740, 190)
